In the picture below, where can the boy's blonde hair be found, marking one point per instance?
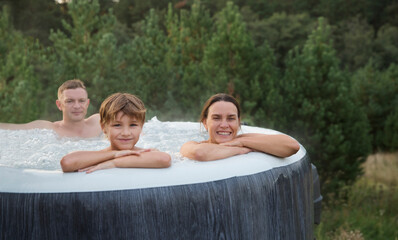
(70, 84)
(129, 104)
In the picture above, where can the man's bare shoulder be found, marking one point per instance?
(93, 126)
(93, 119)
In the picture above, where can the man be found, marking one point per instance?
(73, 102)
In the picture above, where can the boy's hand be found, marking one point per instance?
(103, 165)
(124, 153)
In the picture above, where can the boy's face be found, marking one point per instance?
(124, 132)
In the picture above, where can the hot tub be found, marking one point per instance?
(251, 196)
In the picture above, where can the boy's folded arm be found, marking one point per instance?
(82, 159)
(152, 159)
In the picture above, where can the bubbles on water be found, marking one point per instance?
(169, 137)
(43, 148)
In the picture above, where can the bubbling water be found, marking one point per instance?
(43, 148)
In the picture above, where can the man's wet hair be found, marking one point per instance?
(70, 84)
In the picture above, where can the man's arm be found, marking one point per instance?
(30, 125)
(210, 151)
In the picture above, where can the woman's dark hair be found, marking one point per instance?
(217, 98)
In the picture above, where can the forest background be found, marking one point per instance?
(322, 71)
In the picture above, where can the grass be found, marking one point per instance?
(369, 208)
(382, 168)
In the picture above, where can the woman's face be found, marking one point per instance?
(222, 122)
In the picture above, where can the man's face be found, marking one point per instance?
(73, 104)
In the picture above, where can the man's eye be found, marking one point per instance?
(82, 101)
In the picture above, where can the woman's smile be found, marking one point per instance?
(224, 133)
(222, 122)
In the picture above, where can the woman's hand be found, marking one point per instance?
(124, 153)
(233, 143)
(246, 150)
(237, 143)
(205, 151)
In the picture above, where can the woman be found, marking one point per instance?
(221, 118)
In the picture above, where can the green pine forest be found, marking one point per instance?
(323, 71)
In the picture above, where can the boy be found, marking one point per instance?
(122, 117)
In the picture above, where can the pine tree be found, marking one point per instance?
(377, 92)
(263, 93)
(320, 111)
(228, 56)
(19, 85)
(188, 35)
(88, 50)
(145, 64)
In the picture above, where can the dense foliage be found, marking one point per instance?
(326, 117)
(325, 72)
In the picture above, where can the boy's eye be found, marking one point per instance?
(133, 125)
(116, 125)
